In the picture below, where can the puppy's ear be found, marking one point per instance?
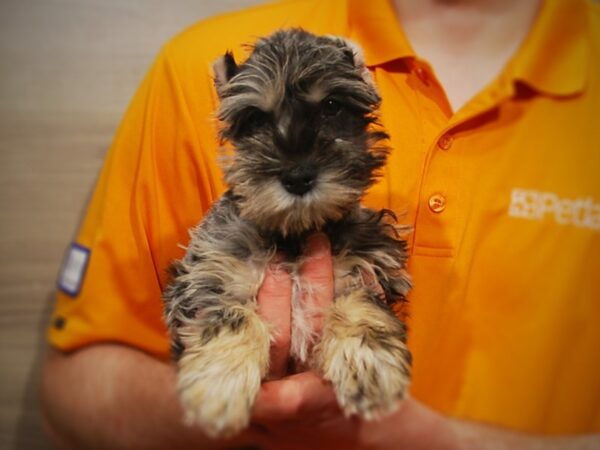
(354, 53)
(355, 56)
(224, 68)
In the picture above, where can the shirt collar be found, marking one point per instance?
(553, 58)
(376, 28)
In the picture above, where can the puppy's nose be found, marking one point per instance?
(299, 181)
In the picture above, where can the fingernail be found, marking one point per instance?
(317, 246)
(274, 269)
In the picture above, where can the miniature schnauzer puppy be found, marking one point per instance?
(299, 118)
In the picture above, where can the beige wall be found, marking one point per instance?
(67, 71)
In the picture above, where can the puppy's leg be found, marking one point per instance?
(221, 344)
(363, 353)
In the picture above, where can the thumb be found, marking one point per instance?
(292, 398)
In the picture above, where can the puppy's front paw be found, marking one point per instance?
(364, 356)
(368, 381)
(218, 382)
(218, 398)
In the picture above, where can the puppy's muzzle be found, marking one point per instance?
(299, 180)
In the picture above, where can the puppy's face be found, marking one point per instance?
(298, 113)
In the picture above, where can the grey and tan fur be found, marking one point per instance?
(299, 114)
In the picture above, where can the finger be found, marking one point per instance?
(292, 398)
(274, 306)
(316, 274)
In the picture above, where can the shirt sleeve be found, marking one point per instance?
(158, 179)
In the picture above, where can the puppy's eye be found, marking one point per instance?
(330, 107)
(256, 118)
(249, 121)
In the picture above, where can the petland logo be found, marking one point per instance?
(581, 212)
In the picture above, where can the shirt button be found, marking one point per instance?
(437, 203)
(445, 142)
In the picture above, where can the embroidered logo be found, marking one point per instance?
(73, 269)
(581, 212)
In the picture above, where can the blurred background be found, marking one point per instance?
(68, 69)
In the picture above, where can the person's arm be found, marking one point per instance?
(111, 396)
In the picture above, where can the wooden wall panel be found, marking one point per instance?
(67, 71)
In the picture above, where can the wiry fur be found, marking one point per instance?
(300, 115)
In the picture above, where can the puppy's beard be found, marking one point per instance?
(271, 207)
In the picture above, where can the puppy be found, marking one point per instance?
(299, 115)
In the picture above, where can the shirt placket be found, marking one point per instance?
(441, 333)
(445, 190)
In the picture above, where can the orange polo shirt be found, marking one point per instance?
(503, 196)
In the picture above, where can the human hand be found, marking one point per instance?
(301, 410)
(291, 406)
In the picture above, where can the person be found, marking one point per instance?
(491, 109)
